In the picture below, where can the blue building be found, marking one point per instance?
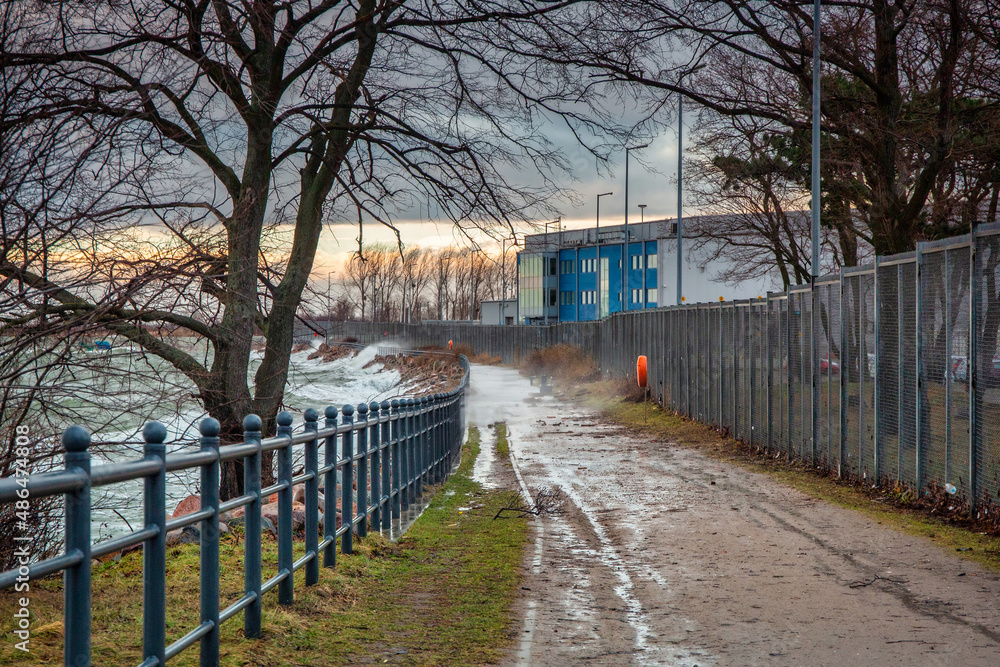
(561, 278)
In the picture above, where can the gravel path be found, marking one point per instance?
(662, 556)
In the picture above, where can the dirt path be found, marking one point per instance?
(664, 556)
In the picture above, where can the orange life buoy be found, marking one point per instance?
(640, 370)
(450, 345)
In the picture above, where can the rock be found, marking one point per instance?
(223, 528)
(187, 535)
(270, 511)
(187, 506)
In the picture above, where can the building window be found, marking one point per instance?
(566, 266)
(552, 295)
(636, 262)
(651, 294)
(567, 298)
(588, 265)
(552, 266)
(651, 261)
(636, 296)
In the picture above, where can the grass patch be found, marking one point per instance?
(885, 506)
(441, 595)
(502, 446)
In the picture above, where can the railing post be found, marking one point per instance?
(422, 453)
(330, 489)
(396, 493)
(251, 528)
(404, 455)
(439, 471)
(76, 579)
(286, 589)
(375, 447)
(312, 496)
(347, 482)
(385, 445)
(411, 463)
(154, 549)
(209, 428)
(363, 469)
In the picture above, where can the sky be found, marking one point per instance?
(652, 181)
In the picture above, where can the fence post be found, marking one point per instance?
(411, 405)
(422, 452)
(972, 373)
(789, 371)
(363, 468)
(312, 496)
(385, 444)
(918, 436)
(876, 413)
(347, 482)
(844, 358)
(209, 428)
(76, 579)
(330, 489)
(375, 466)
(286, 586)
(396, 463)
(439, 437)
(251, 528)
(154, 549)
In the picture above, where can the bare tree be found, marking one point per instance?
(219, 122)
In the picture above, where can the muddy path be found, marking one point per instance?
(662, 556)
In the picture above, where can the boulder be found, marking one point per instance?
(186, 535)
(187, 506)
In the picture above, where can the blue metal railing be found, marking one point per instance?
(401, 445)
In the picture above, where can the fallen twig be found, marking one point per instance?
(862, 584)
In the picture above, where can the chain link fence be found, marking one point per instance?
(888, 373)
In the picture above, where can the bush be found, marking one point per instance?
(563, 362)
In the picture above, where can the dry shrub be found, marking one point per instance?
(629, 389)
(464, 348)
(486, 359)
(564, 362)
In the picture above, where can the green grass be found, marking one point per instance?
(441, 595)
(883, 506)
(502, 447)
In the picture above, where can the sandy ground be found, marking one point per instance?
(662, 556)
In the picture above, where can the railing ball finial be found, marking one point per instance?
(373, 406)
(310, 415)
(394, 404)
(347, 410)
(284, 418)
(154, 433)
(385, 406)
(362, 409)
(252, 423)
(330, 412)
(209, 427)
(76, 439)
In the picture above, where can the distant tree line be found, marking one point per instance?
(384, 283)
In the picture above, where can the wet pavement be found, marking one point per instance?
(661, 556)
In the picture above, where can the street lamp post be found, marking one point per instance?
(603, 194)
(626, 294)
(642, 213)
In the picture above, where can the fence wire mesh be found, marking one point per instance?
(899, 363)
